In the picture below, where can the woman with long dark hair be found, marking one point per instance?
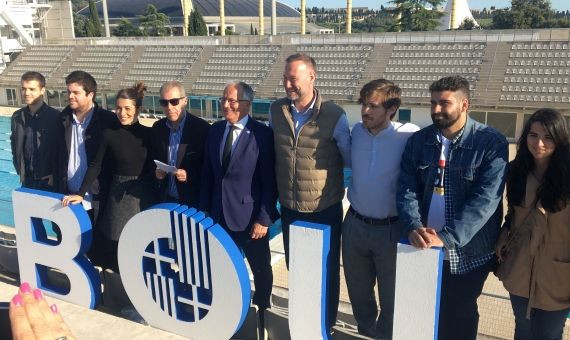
(534, 245)
(131, 190)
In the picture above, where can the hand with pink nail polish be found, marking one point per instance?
(32, 318)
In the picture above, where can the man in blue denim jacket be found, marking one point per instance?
(450, 189)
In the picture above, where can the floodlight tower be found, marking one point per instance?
(273, 17)
(348, 16)
(261, 21)
(222, 18)
(303, 18)
(186, 10)
(106, 19)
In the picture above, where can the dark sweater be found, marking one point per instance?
(128, 146)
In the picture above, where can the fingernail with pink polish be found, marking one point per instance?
(25, 287)
(17, 300)
(38, 294)
(54, 309)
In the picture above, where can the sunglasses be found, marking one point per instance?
(173, 101)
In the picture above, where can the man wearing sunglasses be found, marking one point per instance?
(178, 140)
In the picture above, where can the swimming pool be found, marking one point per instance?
(9, 180)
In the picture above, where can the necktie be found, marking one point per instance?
(227, 153)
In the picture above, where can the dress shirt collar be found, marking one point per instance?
(308, 110)
(240, 124)
(87, 117)
(382, 132)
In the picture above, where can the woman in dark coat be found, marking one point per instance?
(131, 190)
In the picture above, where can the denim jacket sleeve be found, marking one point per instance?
(410, 191)
(484, 198)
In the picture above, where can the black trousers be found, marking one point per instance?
(103, 252)
(330, 216)
(458, 314)
(259, 258)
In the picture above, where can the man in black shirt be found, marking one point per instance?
(37, 138)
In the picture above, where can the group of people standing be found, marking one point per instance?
(441, 186)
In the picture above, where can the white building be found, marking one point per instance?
(27, 22)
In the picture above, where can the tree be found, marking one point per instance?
(467, 25)
(414, 16)
(126, 29)
(80, 25)
(154, 23)
(93, 27)
(255, 31)
(250, 29)
(524, 14)
(197, 25)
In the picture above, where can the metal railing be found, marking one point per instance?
(553, 34)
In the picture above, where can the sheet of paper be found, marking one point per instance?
(165, 167)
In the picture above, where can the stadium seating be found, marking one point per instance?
(537, 72)
(508, 73)
(249, 63)
(100, 61)
(414, 66)
(44, 59)
(158, 64)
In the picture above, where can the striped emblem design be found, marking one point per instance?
(177, 270)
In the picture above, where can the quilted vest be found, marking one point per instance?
(309, 168)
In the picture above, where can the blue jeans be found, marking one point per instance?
(542, 325)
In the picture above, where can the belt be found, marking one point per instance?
(373, 221)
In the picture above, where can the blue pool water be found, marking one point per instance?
(9, 180)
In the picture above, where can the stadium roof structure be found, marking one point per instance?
(208, 8)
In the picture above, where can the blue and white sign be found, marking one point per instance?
(418, 285)
(38, 253)
(184, 274)
(197, 288)
(309, 246)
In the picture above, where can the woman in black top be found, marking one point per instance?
(131, 190)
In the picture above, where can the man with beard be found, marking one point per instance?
(450, 189)
(312, 144)
(371, 231)
(37, 138)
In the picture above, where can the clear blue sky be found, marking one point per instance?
(475, 4)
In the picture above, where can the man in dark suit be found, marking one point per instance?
(178, 140)
(238, 185)
(84, 122)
